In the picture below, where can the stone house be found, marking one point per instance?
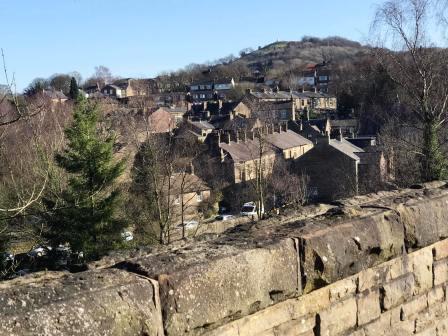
(125, 88)
(187, 193)
(211, 89)
(161, 121)
(339, 169)
(198, 129)
(55, 97)
(177, 112)
(244, 152)
(315, 76)
(300, 102)
(218, 110)
(113, 91)
(348, 127)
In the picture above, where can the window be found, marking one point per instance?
(284, 114)
(199, 196)
(202, 96)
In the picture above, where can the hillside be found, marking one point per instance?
(280, 60)
(290, 56)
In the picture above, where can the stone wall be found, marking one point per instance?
(370, 265)
(404, 296)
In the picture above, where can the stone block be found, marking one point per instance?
(368, 306)
(436, 295)
(429, 317)
(411, 308)
(442, 327)
(104, 302)
(344, 249)
(425, 220)
(403, 328)
(440, 272)
(431, 331)
(346, 312)
(358, 333)
(296, 327)
(371, 278)
(342, 289)
(378, 327)
(422, 270)
(216, 282)
(397, 291)
(440, 250)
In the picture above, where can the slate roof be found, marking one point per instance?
(344, 123)
(52, 94)
(285, 95)
(203, 125)
(239, 123)
(245, 151)
(175, 109)
(288, 139)
(346, 148)
(249, 149)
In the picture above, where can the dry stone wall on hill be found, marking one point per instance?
(371, 265)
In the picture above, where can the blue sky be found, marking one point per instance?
(139, 38)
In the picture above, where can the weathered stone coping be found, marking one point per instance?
(194, 288)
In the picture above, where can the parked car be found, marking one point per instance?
(224, 217)
(127, 235)
(39, 251)
(249, 209)
(189, 225)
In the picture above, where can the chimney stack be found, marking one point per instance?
(222, 154)
(293, 109)
(278, 128)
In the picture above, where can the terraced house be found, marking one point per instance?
(244, 152)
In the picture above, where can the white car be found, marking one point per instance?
(39, 251)
(224, 217)
(127, 235)
(249, 209)
(189, 225)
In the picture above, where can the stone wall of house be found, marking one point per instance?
(370, 265)
(336, 179)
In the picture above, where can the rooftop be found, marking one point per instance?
(288, 139)
(202, 124)
(347, 148)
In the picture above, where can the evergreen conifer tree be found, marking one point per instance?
(74, 90)
(86, 216)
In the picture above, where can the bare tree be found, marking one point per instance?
(418, 67)
(26, 144)
(287, 188)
